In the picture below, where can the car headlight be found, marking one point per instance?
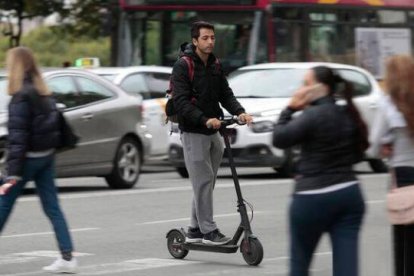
(263, 126)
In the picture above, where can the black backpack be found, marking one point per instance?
(170, 111)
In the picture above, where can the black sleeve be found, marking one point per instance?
(18, 133)
(227, 98)
(289, 132)
(182, 90)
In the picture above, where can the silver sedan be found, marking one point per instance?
(113, 142)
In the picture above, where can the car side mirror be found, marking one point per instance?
(61, 107)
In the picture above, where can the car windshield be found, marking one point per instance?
(266, 83)
(4, 98)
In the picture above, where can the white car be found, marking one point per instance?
(150, 82)
(264, 90)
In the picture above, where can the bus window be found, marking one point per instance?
(392, 17)
(169, 29)
(288, 30)
(331, 37)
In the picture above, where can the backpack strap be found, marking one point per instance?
(217, 65)
(190, 65)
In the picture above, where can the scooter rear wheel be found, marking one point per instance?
(254, 254)
(175, 239)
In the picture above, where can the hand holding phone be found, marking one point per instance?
(316, 91)
(305, 95)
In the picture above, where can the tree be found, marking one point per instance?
(26, 9)
(95, 18)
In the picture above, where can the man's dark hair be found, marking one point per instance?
(195, 28)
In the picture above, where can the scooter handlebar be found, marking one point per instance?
(227, 121)
(230, 121)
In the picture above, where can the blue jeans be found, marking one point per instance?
(337, 213)
(42, 172)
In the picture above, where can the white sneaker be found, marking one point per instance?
(62, 266)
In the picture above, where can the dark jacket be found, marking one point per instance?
(33, 126)
(329, 143)
(209, 89)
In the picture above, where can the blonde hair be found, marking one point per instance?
(399, 83)
(20, 62)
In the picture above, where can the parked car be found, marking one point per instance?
(150, 82)
(265, 90)
(113, 142)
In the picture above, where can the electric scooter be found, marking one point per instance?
(250, 246)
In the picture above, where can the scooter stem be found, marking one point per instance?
(245, 223)
(232, 167)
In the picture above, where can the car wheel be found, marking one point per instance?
(378, 166)
(182, 171)
(127, 165)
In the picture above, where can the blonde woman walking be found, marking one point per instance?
(33, 136)
(392, 135)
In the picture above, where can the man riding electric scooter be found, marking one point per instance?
(200, 86)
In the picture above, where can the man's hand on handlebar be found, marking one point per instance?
(213, 123)
(245, 118)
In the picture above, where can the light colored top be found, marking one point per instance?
(329, 189)
(390, 127)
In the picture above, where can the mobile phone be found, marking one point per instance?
(316, 91)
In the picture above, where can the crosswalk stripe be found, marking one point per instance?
(45, 233)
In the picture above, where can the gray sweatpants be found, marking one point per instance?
(202, 155)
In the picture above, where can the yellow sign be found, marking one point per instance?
(87, 62)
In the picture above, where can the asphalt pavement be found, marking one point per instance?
(123, 232)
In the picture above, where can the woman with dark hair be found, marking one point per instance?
(327, 197)
(393, 135)
(33, 136)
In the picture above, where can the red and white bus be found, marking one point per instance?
(254, 31)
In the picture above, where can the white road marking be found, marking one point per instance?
(26, 257)
(140, 264)
(121, 267)
(46, 233)
(157, 190)
(243, 183)
(49, 254)
(4, 260)
(167, 180)
(380, 201)
(186, 219)
(287, 257)
(133, 265)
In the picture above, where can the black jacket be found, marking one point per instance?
(209, 88)
(329, 143)
(33, 125)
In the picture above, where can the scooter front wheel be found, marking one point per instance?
(252, 251)
(175, 240)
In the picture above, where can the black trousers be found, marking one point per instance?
(404, 234)
(337, 213)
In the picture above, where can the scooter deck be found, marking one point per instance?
(226, 248)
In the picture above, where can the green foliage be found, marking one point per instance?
(52, 46)
(27, 9)
(30, 8)
(92, 17)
